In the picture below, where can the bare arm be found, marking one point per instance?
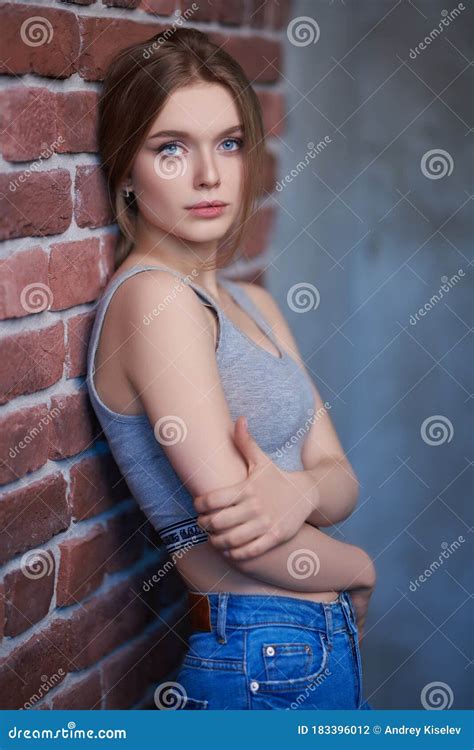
(172, 366)
(330, 481)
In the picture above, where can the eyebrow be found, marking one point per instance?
(183, 134)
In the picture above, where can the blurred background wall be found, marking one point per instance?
(374, 224)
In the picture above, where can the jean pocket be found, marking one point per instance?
(193, 704)
(288, 664)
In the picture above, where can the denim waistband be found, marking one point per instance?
(228, 609)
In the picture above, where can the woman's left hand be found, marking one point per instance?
(267, 508)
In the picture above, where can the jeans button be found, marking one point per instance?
(254, 686)
(270, 651)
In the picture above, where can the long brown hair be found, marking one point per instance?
(136, 86)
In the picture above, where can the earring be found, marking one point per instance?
(127, 191)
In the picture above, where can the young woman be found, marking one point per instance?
(181, 358)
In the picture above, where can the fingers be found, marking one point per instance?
(256, 547)
(219, 498)
(238, 536)
(224, 519)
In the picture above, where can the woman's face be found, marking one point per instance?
(199, 158)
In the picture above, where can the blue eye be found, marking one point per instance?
(238, 141)
(162, 149)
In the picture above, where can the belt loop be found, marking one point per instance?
(221, 616)
(348, 610)
(329, 626)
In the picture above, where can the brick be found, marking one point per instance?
(260, 58)
(106, 621)
(158, 7)
(257, 13)
(78, 2)
(96, 484)
(260, 226)
(130, 4)
(35, 667)
(77, 119)
(281, 13)
(47, 47)
(127, 673)
(28, 594)
(35, 203)
(23, 284)
(28, 122)
(124, 541)
(91, 206)
(31, 361)
(74, 429)
(78, 333)
(81, 567)
(103, 38)
(108, 247)
(32, 515)
(2, 610)
(269, 177)
(206, 10)
(83, 695)
(74, 274)
(24, 442)
(231, 12)
(273, 111)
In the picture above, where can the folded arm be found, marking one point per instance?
(172, 366)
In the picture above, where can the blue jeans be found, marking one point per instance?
(275, 652)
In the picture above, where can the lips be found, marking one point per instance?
(208, 204)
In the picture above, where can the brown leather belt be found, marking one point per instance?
(199, 611)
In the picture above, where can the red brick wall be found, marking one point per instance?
(78, 629)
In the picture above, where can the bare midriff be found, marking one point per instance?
(203, 569)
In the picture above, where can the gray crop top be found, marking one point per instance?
(272, 392)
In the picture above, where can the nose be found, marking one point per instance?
(206, 172)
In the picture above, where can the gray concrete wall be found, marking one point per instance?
(376, 231)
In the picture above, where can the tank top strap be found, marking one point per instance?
(108, 294)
